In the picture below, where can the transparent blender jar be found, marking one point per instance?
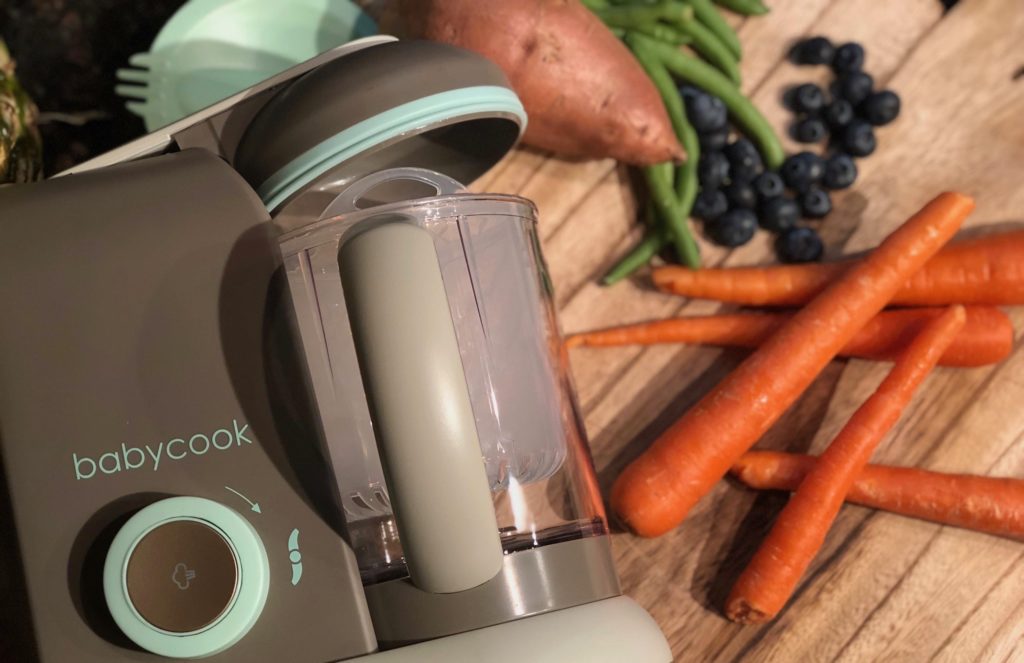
(499, 301)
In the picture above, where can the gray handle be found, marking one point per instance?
(347, 201)
(416, 387)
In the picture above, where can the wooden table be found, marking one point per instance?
(884, 587)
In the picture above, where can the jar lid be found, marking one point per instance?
(405, 103)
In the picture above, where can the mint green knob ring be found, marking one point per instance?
(250, 592)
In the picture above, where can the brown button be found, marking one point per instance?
(182, 576)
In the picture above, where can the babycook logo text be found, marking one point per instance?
(133, 458)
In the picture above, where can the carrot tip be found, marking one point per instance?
(742, 612)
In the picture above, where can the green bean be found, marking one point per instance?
(644, 19)
(686, 183)
(638, 256)
(639, 15)
(657, 235)
(707, 44)
(706, 13)
(676, 216)
(745, 7)
(654, 240)
(652, 243)
(664, 170)
(676, 221)
(665, 33)
(744, 113)
(686, 174)
(630, 16)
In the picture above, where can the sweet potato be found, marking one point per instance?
(585, 94)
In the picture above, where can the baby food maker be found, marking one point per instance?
(275, 387)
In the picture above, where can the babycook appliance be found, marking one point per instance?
(275, 387)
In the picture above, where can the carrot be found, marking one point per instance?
(986, 338)
(768, 581)
(658, 489)
(984, 270)
(993, 505)
(584, 92)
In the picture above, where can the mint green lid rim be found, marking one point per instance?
(251, 589)
(476, 101)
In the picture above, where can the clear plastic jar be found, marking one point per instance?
(500, 302)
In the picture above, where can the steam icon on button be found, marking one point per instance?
(182, 575)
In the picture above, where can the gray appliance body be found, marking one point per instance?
(143, 308)
(146, 352)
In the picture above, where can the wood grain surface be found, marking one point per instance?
(884, 587)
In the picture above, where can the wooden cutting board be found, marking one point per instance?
(884, 587)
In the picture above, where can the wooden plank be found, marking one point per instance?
(989, 633)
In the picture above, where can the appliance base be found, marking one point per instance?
(608, 631)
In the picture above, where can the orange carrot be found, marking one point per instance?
(994, 505)
(984, 270)
(987, 337)
(656, 491)
(768, 581)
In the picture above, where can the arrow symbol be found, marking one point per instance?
(255, 506)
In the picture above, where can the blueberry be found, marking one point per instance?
(859, 139)
(734, 228)
(840, 172)
(807, 98)
(801, 170)
(815, 166)
(741, 194)
(744, 160)
(768, 185)
(854, 87)
(713, 170)
(778, 214)
(815, 203)
(713, 141)
(706, 113)
(799, 245)
(688, 92)
(816, 50)
(838, 113)
(809, 130)
(881, 107)
(710, 204)
(848, 57)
